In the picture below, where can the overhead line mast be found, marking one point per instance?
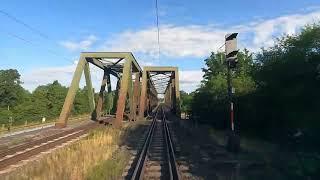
(158, 29)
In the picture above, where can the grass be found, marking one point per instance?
(98, 156)
(114, 166)
(109, 169)
(75, 161)
(247, 144)
(279, 163)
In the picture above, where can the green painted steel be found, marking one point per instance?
(68, 103)
(126, 73)
(89, 86)
(136, 92)
(99, 106)
(143, 94)
(130, 93)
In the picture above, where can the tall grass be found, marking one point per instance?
(75, 161)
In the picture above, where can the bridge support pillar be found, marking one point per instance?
(136, 92)
(123, 93)
(89, 86)
(130, 94)
(97, 113)
(109, 94)
(68, 103)
(105, 61)
(177, 93)
(173, 99)
(143, 95)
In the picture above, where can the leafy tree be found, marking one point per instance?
(211, 97)
(11, 92)
(186, 100)
(81, 102)
(276, 92)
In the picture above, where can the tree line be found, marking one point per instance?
(276, 90)
(18, 105)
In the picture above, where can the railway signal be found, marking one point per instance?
(231, 50)
(233, 143)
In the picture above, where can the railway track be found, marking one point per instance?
(14, 155)
(157, 159)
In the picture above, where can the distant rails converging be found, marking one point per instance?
(14, 155)
(157, 158)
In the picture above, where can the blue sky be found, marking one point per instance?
(57, 31)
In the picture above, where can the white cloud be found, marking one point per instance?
(199, 40)
(85, 44)
(177, 42)
(266, 31)
(41, 76)
(190, 79)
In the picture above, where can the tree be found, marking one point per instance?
(276, 92)
(11, 92)
(211, 97)
(81, 102)
(186, 100)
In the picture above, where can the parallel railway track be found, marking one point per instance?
(157, 159)
(14, 155)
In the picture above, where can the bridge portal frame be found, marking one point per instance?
(123, 73)
(149, 94)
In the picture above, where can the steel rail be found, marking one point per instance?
(139, 170)
(174, 172)
(46, 144)
(20, 147)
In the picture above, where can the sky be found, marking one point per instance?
(43, 39)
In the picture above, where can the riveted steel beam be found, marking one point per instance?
(160, 68)
(123, 93)
(97, 114)
(136, 92)
(143, 94)
(96, 62)
(108, 81)
(130, 94)
(115, 55)
(89, 86)
(167, 85)
(68, 103)
(177, 92)
(123, 72)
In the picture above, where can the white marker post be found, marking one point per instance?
(43, 121)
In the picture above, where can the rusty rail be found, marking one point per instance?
(24, 151)
(140, 169)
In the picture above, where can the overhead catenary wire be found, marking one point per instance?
(24, 24)
(158, 36)
(34, 30)
(35, 45)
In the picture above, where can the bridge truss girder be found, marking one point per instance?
(168, 83)
(126, 88)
